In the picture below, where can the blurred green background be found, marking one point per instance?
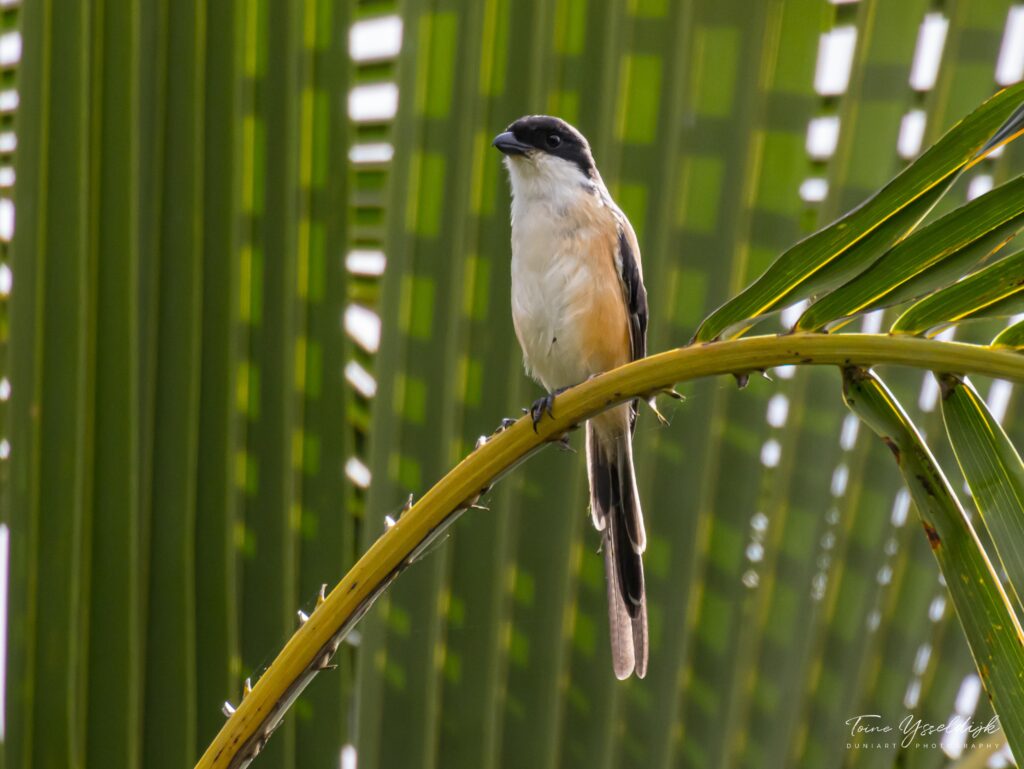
(257, 295)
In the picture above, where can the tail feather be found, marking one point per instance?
(640, 640)
(620, 625)
(615, 507)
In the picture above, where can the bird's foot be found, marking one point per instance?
(544, 404)
(547, 403)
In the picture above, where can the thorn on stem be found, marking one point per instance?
(303, 617)
(227, 709)
(324, 663)
(654, 407)
(562, 442)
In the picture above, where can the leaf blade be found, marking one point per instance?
(991, 291)
(938, 253)
(988, 620)
(1012, 337)
(994, 473)
(786, 280)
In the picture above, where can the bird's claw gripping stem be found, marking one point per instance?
(544, 404)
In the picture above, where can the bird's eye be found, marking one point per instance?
(554, 140)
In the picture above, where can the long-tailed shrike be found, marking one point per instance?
(580, 308)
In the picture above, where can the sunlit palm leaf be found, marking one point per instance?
(827, 259)
(927, 259)
(992, 292)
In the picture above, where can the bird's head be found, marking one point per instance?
(545, 150)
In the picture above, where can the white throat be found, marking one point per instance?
(547, 178)
(557, 211)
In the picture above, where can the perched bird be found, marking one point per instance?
(580, 308)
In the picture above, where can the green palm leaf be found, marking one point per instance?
(828, 259)
(930, 257)
(994, 473)
(988, 619)
(995, 291)
(1012, 336)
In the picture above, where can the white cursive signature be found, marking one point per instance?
(913, 728)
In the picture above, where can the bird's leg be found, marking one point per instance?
(546, 403)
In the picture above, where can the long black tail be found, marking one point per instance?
(615, 507)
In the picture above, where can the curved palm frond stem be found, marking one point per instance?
(310, 649)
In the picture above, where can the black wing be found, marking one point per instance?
(636, 297)
(636, 294)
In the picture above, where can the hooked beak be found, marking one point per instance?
(510, 145)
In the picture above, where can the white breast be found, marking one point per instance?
(552, 225)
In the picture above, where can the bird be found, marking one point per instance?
(579, 308)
